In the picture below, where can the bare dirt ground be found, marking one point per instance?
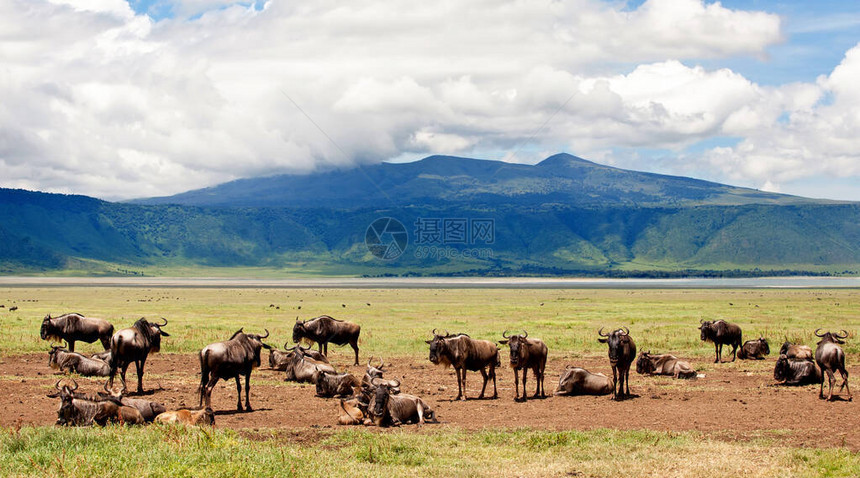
(734, 401)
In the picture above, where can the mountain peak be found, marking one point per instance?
(564, 160)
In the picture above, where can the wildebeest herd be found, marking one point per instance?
(373, 399)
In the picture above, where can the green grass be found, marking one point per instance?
(177, 451)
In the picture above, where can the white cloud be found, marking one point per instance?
(99, 101)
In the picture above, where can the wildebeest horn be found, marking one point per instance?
(374, 380)
(76, 385)
(447, 333)
(842, 335)
(701, 321)
(816, 333)
(505, 334)
(525, 334)
(369, 360)
(57, 385)
(600, 333)
(395, 381)
(434, 332)
(267, 334)
(626, 330)
(381, 363)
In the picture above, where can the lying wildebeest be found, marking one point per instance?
(366, 389)
(622, 351)
(663, 364)
(324, 329)
(302, 368)
(278, 360)
(62, 359)
(353, 414)
(465, 353)
(110, 411)
(721, 332)
(234, 358)
(134, 344)
(147, 408)
(754, 349)
(830, 357)
(526, 354)
(388, 409)
(331, 384)
(796, 351)
(75, 327)
(103, 356)
(188, 417)
(796, 372)
(578, 381)
(84, 410)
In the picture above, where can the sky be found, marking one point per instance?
(127, 99)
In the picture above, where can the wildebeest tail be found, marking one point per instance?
(204, 373)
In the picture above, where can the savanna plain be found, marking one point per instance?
(734, 420)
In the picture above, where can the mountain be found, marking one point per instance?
(446, 180)
(438, 216)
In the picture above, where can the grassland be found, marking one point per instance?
(395, 323)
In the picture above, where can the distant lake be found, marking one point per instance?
(437, 282)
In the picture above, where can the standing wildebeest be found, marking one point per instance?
(324, 329)
(134, 344)
(73, 327)
(830, 357)
(62, 359)
(389, 409)
(238, 356)
(578, 381)
(465, 353)
(664, 364)
(721, 332)
(796, 351)
(754, 349)
(796, 372)
(622, 351)
(526, 354)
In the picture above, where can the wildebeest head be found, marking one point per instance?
(518, 346)
(763, 346)
(438, 346)
(644, 365)
(152, 331)
(256, 341)
(831, 337)
(782, 369)
(375, 372)
(66, 415)
(48, 329)
(381, 394)
(618, 340)
(299, 331)
(707, 328)
(52, 356)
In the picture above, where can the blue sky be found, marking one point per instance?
(119, 99)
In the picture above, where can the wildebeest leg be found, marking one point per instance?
(734, 351)
(830, 379)
(122, 376)
(248, 392)
(844, 373)
(105, 342)
(525, 393)
(140, 364)
(538, 379)
(614, 382)
(516, 384)
(238, 394)
(460, 385)
(71, 345)
(718, 351)
(354, 346)
(213, 379)
(627, 381)
(486, 379)
(493, 373)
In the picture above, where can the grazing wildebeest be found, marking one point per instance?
(796, 372)
(663, 364)
(75, 327)
(332, 384)
(134, 344)
(389, 409)
(324, 329)
(62, 359)
(278, 360)
(234, 358)
(830, 357)
(302, 368)
(622, 351)
(578, 381)
(796, 351)
(754, 349)
(721, 332)
(526, 354)
(465, 353)
(188, 417)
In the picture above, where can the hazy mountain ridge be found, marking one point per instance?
(562, 216)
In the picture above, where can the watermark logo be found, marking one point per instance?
(454, 237)
(386, 238)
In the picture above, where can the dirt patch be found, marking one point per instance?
(733, 401)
